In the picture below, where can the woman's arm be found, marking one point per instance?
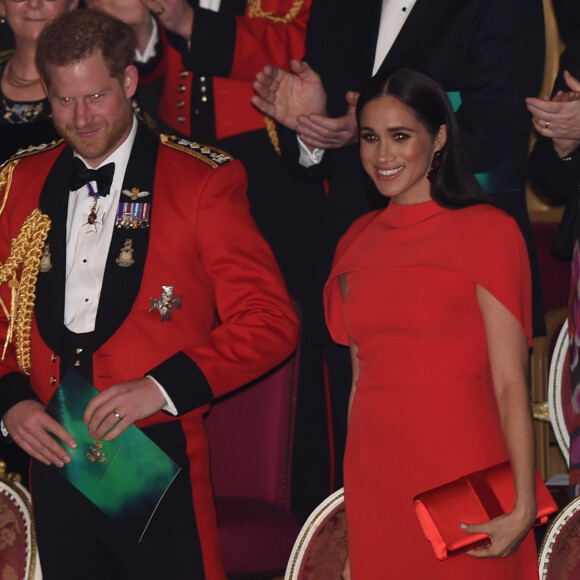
(508, 355)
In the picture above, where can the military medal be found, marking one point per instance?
(166, 304)
(133, 215)
(92, 218)
(125, 258)
(45, 259)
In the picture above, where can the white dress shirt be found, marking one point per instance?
(87, 247)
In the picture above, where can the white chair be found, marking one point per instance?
(321, 548)
(18, 550)
(559, 557)
(560, 392)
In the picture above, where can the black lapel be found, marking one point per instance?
(49, 302)
(425, 24)
(233, 7)
(121, 283)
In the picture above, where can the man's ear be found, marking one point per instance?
(130, 80)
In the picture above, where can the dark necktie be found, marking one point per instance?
(81, 175)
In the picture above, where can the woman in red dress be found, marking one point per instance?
(433, 296)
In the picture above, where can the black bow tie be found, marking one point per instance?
(81, 175)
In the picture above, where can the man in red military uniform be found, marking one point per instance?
(138, 259)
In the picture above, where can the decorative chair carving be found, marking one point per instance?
(18, 551)
(560, 392)
(321, 548)
(559, 557)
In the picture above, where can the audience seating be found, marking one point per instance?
(321, 548)
(250, 437)
(559, 557)
(18, 551)
(560, 393)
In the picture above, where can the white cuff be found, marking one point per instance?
(169, 406)
(307, 157)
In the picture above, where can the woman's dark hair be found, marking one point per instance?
(455, 185)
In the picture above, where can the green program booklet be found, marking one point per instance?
(127, 477)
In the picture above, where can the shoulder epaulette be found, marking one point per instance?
(33, 150)
(211, 155)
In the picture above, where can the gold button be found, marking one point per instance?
(181, 119)
(184, 74)
(79, 350)
(180, 104)
(204, 99)
(52, 380)
(53, 357)
(77, 363)
(181, 89)
(202, 79)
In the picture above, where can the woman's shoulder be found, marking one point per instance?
(482, 216)
(359, 225)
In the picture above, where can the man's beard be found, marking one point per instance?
(105, 142)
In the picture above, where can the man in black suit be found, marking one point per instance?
(488, 55)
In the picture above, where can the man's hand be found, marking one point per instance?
(131, 12)
(175, 15)
(114, 409)
(559, 117)
(322, 132)
(285, 96)
(30, 426)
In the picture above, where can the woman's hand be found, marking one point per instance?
(506, 533)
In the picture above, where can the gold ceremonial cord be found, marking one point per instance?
(255, 11)
(25, 254)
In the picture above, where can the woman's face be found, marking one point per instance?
(396, 150)
(27, 18)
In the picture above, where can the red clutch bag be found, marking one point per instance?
(474, 498)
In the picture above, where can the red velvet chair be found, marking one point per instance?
(18, 552)
(559, 557)
(250, 438)
(321, 548)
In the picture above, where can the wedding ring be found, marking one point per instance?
(547, 124)
(161, 10)
(116, 414)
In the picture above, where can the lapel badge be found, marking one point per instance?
(133, 215)
(45, 259)
(166, 304)
(125, 258)
(134, 193)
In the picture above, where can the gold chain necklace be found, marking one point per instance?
(18, 82)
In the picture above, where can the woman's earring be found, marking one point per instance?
(2, 18)
(434, 169)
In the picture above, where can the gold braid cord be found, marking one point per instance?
(255, 11)
(25, 254)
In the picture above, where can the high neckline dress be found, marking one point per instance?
(424, 412)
